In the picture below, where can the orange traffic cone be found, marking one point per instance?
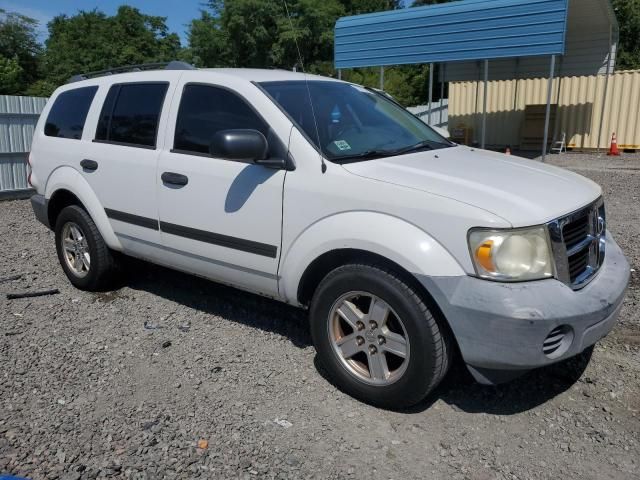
(613, 150)
(507, 151)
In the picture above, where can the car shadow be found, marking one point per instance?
(463, 393)
(458, 389)
(217, 299)
(243, 186)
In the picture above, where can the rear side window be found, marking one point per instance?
(131, 113)
(205, 110)
(69, 112)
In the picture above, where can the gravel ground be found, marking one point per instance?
(131, 383)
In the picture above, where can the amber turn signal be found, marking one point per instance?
(483, 256)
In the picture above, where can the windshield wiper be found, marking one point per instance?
(367, 155)
(418, 146)
(371, 154)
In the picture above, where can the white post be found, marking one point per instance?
(443, 72)
(382, 78)
(548, 112)
(339, 74)
(430, 90)
(606, 86)
(484, 107)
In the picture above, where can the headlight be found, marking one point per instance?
(511, 255)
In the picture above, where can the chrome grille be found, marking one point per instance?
(578, 263)
(578, 242)
(574, 232)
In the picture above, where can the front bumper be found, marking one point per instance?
(40, 204)
(501, 327)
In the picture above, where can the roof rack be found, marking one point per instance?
(173, 65)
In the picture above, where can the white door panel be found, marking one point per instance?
(226, 222)
(228, 217)
(125, 185)
(125, 178)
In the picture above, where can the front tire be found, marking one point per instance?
(82, 252)
(376, 337)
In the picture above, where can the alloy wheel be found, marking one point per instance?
(369, 338)
(76, 249)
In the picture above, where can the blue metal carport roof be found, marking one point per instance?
(456, 31)
(505, 31)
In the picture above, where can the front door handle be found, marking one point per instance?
(89, 165)
(174, 179)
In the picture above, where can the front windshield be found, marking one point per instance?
(353, 123)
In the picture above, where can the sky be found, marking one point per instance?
(178, 12)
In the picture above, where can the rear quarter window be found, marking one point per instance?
(131, 113)
(69, 113)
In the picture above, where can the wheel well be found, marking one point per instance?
(59, 200)
(325, 263)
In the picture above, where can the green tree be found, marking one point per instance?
(259, 33)
(19, 52)
(208, 42)
(92, 41)
(251, 29)
(311, 28)
(628, 14)
(11, 74)
(422, 3)
(356, 7)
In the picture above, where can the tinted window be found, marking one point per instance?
(205, 110)
(69, 112)
(102, 133)
(352, 122)
(131, 113)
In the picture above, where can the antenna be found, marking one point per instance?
(304, 72)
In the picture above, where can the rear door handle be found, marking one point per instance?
(90, 165)
(174, 179)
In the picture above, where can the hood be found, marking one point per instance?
(523, 192)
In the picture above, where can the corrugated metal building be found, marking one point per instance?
(478, 41)
(578, 107)
(590, 49)
(18, 118)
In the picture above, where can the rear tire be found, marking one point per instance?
(359, 315)
(82, 252)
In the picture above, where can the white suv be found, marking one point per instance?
(327, 195)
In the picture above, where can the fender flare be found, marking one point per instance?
(68, 178)
(390, 237)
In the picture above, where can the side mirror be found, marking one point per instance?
(243, 145)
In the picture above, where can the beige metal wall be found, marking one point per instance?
(579, 105)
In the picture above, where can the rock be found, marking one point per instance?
(72, 476)
(283, 423)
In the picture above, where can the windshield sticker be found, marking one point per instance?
(342, 145)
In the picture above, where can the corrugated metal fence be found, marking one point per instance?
(18, 118)
(439, 113)
(578, 101)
